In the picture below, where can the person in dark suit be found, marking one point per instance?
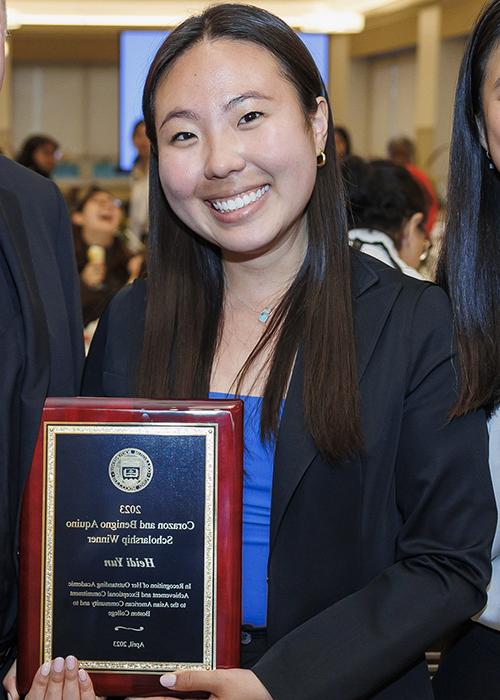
(41, 344)
(368, 515)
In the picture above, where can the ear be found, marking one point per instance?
(410, 227)
(77, 218)
(319, 124)
(481, 132)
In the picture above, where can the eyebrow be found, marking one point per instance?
(246, 96)
(189, 114)
(180, 114)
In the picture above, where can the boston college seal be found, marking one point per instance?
(131, 470)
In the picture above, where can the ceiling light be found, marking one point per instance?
(309, 17)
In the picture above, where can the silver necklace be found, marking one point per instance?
(262, 315)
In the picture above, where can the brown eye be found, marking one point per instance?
(183, 136)
(250, 117)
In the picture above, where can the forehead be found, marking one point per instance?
(213, 66)
(46, 146)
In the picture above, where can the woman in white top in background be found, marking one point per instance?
(387, 212)
(469, 268)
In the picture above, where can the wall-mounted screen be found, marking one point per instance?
(137, 50)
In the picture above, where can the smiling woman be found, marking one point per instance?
(102, 258)
(353, 559)
(221, 129)
(223, 166)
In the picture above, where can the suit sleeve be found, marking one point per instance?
(363, 642)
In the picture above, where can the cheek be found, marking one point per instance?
(290, 158)
(493, 131)
(178, 179)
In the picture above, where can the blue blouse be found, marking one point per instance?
(258, 459)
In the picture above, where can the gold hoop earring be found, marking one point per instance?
(321, 159)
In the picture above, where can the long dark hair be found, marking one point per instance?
(469, 263)
(186, 281)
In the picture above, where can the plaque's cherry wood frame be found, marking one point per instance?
(229, 496)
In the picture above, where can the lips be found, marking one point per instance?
(239, 201)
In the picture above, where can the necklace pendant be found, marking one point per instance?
(264, 314)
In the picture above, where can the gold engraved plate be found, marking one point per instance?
(141, 546)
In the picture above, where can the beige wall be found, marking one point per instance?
(77, 105)
(451, 56)
(392, 99)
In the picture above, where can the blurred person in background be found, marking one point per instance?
(343, 144)
(104, 262)
(469, 270)
(387, 212)
(41, 347)
(39, 153)
(139, 191)
(401, 151)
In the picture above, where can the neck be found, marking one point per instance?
(264, 277)
(97, 237)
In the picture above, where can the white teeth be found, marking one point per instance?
(240, 201)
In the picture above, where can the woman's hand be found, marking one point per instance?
(93, 274)
(9, 683)
(232, 684)
(61, 680)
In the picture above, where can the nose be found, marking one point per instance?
(223, 156)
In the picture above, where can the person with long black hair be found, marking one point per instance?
(368, 516)
(469, 269)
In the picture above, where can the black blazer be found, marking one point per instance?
(41, 343)
(373, 558)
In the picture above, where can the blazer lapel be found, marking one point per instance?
(371, 308)
(295, 448)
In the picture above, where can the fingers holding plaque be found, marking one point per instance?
(137, 502)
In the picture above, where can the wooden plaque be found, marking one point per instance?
(131, 541)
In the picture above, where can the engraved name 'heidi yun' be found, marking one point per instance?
(144, 562)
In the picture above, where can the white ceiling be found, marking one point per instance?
(322, 15)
